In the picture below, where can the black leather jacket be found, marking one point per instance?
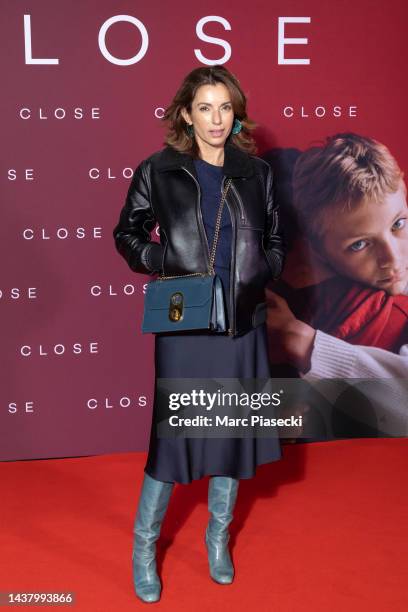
(165, 189)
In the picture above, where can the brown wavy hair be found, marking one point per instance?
(338, 175)
(177, 135)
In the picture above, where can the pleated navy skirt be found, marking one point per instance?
(209, 355)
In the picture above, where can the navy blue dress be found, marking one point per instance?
(210, 355)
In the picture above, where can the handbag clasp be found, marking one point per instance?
(176, 307)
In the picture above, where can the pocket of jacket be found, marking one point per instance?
(153, 256)
(164, 247)
(271, 267)
(259, 314)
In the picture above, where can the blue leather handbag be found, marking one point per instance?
(189, 301)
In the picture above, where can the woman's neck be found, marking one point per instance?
(212, 155)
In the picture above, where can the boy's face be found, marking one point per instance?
(370, 243)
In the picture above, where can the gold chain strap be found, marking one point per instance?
(214, 244)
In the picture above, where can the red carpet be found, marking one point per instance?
(325, 529)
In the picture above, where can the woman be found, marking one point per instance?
(179, 187)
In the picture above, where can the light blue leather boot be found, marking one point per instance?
(152, 507)
(222, 494)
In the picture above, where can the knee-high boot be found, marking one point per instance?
(152, 507)
(222, 494)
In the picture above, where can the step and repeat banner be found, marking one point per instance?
(84, 87)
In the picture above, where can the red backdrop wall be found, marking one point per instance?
(77, 118)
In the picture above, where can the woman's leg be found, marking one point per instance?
(222, 495)
(152, 507)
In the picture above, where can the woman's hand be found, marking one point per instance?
(289, 340)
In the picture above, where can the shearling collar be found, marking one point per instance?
(237, 163)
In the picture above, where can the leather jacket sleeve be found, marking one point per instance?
(274, 242)
(137, 220)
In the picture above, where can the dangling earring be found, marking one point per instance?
(190, 129)
(237, 127)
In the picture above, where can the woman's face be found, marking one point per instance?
(212, 115)
(370, 243)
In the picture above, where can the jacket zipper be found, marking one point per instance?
(200, 215)
(241, 207)
(231, 329)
